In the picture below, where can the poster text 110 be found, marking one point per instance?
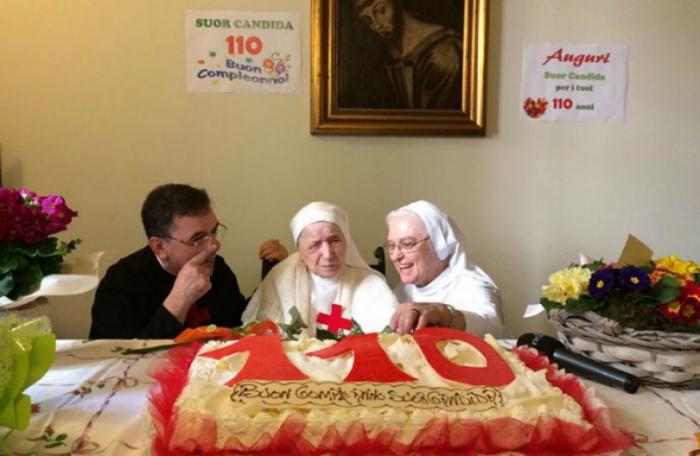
(238, 45)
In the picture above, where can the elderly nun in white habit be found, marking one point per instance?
(326, 269)
(439, 285)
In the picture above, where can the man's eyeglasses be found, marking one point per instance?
(199, 241)
(404, 245)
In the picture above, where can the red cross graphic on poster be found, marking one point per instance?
(334, 321)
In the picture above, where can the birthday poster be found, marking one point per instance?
(574, 82)
(243, 52)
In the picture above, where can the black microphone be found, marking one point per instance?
(579, 364)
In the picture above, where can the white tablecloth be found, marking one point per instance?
(93, 401)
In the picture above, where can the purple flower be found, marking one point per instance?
(601, 282)
(634, 278)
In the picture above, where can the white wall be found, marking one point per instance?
(93, 106)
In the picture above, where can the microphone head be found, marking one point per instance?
(541, 342)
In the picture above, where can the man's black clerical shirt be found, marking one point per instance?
(128, 301)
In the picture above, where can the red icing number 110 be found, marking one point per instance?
(267, 361)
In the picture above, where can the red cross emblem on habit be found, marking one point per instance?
(334, 321)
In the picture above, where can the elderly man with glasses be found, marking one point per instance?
(177, 280)
(439, 286)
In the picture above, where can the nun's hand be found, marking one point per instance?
(272, 250)
(410, 316)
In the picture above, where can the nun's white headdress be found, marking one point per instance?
(446, 237)
(321, 211)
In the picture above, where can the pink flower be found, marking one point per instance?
(58, 214)
(27, 223)
(28, 218)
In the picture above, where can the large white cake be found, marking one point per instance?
(439, 390)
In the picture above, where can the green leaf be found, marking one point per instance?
(595, 265)
(48, 247)
(50, 264)
(387, 330)
(64, 248)
(296, 316)
(44, 248)
(549, 305)
(54, 445)
(7, 282)
(666, 290)
(574, 306)
(27, 282)
(322, 334)
(28, 264)
(665, 295)
(356, 328)
(295, 327)
(669, 282)
(580, 305)
(12, 262)
(61, 437)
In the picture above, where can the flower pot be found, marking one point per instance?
(658, 358)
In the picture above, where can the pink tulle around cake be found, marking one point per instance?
(170, 379)
(609, 438)
(549, 436)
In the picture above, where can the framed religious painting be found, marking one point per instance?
(398, 67)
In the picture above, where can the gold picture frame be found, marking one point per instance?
(362, 84)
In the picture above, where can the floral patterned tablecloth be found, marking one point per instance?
(93, 401)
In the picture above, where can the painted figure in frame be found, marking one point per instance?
(400, 54)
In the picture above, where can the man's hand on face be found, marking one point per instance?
(193, 281)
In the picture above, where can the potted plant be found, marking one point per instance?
(643, 318)
(28, 254)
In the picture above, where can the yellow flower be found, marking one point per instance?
(674, 307)
(567, 284)
(678, 266)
